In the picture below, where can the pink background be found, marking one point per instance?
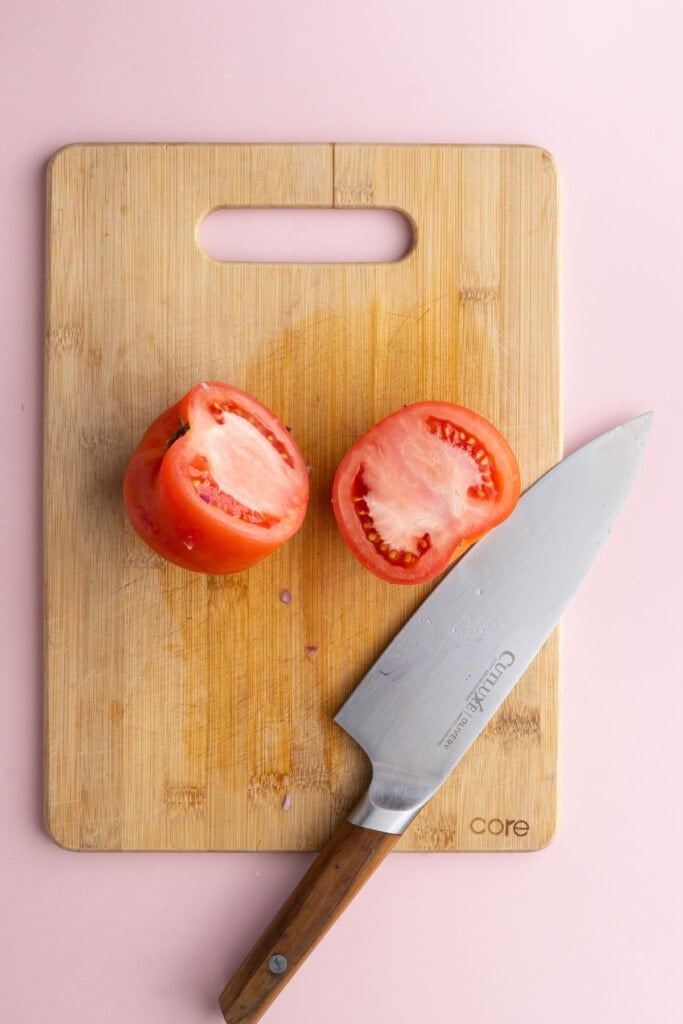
(589, 929)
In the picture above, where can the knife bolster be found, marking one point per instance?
(367, 814)
(393, 800)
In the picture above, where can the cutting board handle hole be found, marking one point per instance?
(305, 235)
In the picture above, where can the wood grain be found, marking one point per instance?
(181, 710)
(332, 881)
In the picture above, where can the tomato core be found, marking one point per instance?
(234, 452)
(395, 556)
(230, 446)
(210, 493)
(220, 409)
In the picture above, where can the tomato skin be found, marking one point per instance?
(412, 476)
(180, 511)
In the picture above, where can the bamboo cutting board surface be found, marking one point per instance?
(186, 712)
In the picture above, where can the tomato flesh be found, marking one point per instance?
(420, 486)
(384, 548)
(217, 482)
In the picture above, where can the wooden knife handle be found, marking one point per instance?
(327, 888)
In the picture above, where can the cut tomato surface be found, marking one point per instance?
(217, 482)
(420, 486)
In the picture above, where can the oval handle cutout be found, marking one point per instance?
(305, 235)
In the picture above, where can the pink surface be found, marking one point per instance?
(589, 929)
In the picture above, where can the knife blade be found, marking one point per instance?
(440, 680)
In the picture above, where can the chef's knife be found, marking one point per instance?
(440, 680)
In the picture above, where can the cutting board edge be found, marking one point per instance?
(53, 830)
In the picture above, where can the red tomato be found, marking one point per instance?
(217, 482)
(421, 486)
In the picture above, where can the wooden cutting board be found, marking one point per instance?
(185, 712)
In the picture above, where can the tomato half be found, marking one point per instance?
(421, 486)
(217, 482)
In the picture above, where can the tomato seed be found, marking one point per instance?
(218, 409)
(471, 446)
(212, 495)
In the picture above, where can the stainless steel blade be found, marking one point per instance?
(438, 683)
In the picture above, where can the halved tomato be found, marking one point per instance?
(217, 482)
(421, 486)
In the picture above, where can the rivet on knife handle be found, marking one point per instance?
(327, 888)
